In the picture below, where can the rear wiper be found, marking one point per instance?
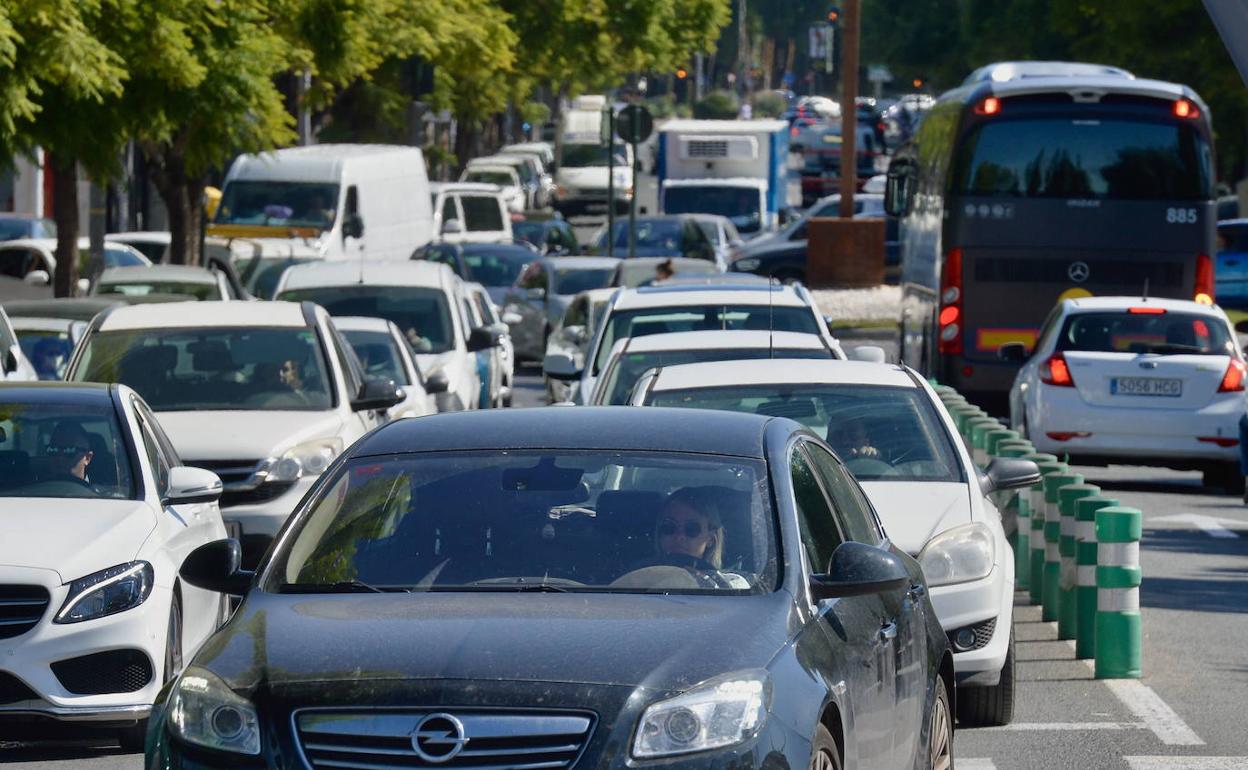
(340, 587)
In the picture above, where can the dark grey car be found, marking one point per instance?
(542, 293)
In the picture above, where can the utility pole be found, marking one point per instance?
(849, 107)
(743, 47)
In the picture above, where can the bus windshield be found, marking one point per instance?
(1083, 158)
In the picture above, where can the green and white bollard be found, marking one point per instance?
(1047, 464)
(1016, 443)
(994, 438)
(965, 416)
(1118, 632)
(1051, 576)
(1085, 575)
(1067, 612)
(975, 437)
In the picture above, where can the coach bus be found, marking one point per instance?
(1037, 181)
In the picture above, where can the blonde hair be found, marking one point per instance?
(705, 505)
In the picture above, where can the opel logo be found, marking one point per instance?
(1078, 271)
(438, 738)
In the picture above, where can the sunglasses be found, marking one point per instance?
(691, 528)
(67, 451)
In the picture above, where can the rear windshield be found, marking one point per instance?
(881, 432)
(197, 291)
(378, 354)
(482, 213)
(574, 281)
(500, 178)
(741, 205)
(1081, 158)
(423, 315)
(1166, 332)
(496, 266)
(621, 377)
(582, 155)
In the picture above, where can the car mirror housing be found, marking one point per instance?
(1014, 352)
(869, 353)
(37, 278)
(217, 566)
(1009, 473)
(483, 338)
(377, 394)
(191, 485)
(452, 227)
(560, 366)
(511, 318)
(858, 569)
(353, 226)
(437, 382)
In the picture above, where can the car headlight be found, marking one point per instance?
(204, 711)
(747, 264)
(720, 712)
(107, 592)
(959, 555)
(310, 458)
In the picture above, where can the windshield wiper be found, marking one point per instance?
(340, 587)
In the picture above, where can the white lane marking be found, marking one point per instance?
(1062, 726)
(1185, 763)
(976, 764)
(1149, 708)
(1213, 527)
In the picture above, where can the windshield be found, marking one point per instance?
(500, 178)
(1079, 158)
(264, 202)
(582, 155)
(692, 318)
(1136, 333)
(47, 351)
(659, 522)
(261, 274)
(496, 267)
(665, 235)
(378, 355)
(742, 205)
(623, 375)
(63, 450)
(576, 280)
(11, 229)
(228, 368)
(197, 291)
(421, 314)
(881, 432)
(482, 213)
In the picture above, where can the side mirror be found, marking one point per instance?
(536, 292)
(452, 227)
(217, 566)
(560, 366)
(191, 485)
(10, 362)
(1013, 352)
(896, 186)
(1009, 473)
(857, 569)
(353, 226)
(84, 285)
(870, 353)
(511, 318)
(482, 338)
(37, 278)
(576, 335)
(437, 382)
(377, 394)
(1242, 326)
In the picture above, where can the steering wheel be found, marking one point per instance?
(683, 560)
(869, 466)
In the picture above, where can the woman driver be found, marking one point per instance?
(690, 525)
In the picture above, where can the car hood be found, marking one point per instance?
(243, 434)
(915, 511)
(72, 536)
(661, 642)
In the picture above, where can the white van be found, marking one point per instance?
(465, 212)
(345, 201)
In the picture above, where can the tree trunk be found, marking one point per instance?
(65, 212)
(183, 196)
(557, 118)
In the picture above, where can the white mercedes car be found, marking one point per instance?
(99, 514)
(896, 437)
(1135, 381)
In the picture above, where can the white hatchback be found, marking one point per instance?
(896, 437)
(1136, 381)
(99, 514)
(385, 354)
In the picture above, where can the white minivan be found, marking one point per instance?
(345, 200)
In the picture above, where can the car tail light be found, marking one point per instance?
(1067, 435)
(1221, 441)
(1146, 310)
(1233, 379)
(1186, 109)
(989, 106)
(1056, 372)
(950, 339)
(1203, 291)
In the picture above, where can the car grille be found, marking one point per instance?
(13, 689)
(21, 607)
(104, 672)
(243, 480)
(451, 739)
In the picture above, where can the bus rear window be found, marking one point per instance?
(1084, 158)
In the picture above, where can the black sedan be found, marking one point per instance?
(590, 587)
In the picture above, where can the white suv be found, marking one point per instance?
(265, 394)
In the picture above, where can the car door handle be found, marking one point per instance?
(888, 632)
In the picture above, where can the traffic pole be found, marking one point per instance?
(1067, 612)
(1051, 576)
(1047, 464)
(632, 206)
(1118, 577)
(1085, 577)
(611, 180)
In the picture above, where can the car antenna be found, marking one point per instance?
(1144, 296)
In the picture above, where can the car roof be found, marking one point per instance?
(465, 187)
(701, 431)
(711, 294)
(140, 236)
(1003, 71)
(356, 323)
(779, 371)
(74, 309)
(95, 394)
(417, 272)
(718, 339)
(179, 273)
(1122, 303)
(30, 323)
(582, 263)
(183, 315)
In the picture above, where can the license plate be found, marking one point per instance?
(1146, 386)
(831, 138)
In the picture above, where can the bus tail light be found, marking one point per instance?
(950, 339)
(1203, 291)
(1233, 378)
(1056, 372)
(1184, 108)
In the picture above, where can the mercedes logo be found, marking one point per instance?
(438, 738)
(1078, 271)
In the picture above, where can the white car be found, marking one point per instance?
(99, 514)
(572, 334)
(424, 299)
(384, 354)
(488, 312)
(48, 343)
(196, 283)
(632, 357)
(265, 394)
(34, 259)
(746, 305)
(898, 440)
(153, 244)
(14, 366)
(1137, 381)
(478, 211)
(501, 174)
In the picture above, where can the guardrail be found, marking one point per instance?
(1076, 552)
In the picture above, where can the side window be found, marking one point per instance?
(533, 277)
(450, 210)
(819, 530)
(155, 456)
(854, 510)
(575, 314)
(1046, 330)
(14, 262)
